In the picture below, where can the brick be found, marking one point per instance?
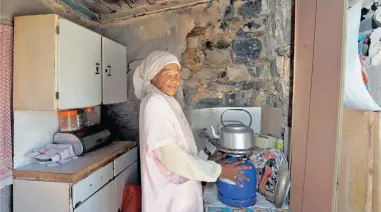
(250, 9)
(195, 96)
(197, 31)
(201, 89)
(274, 69)
(194, 42)
(217, 58)
(188, 59)
(238, 73)
(185, 74)
(247, 49)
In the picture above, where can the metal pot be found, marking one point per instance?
(235, 137)
(282, 188)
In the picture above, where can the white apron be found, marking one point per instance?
(161, 122)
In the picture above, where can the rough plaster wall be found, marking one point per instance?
(234, 53)
(161, 32)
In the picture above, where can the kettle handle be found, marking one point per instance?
(222, 115)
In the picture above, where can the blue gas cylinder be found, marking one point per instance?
(232, 195)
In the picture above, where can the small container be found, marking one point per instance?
(209, 148)
(68, 120)
(90, 116)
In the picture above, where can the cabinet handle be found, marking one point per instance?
(109, 70)
(97, 68)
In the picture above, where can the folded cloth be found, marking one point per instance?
(52, 154)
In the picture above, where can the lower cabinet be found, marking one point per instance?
(111, 195)
(86, 188)
(101, 201)
(100, 191)
(128, 176)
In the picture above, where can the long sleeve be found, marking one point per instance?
(186, 165)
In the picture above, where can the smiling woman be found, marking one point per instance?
(170, 168)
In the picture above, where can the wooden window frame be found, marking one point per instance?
(317, 103)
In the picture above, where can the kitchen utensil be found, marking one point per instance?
(84, 140)
(219, 126)
(235, 138)
(69, 120)
(282, 188)
(90, 116)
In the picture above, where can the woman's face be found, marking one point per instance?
(168, 79)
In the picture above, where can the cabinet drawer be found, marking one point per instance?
(125, 160)
(88, 186)
(102, 201)
(128, 176)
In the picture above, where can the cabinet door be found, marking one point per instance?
(88, 186)
(114, 76)
(79, 66)
(128, 176)
(102, 201)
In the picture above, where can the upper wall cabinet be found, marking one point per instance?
(58, 65)
(114, 80)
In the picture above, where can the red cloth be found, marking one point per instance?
(132, 198)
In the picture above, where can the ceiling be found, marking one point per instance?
(113, 10)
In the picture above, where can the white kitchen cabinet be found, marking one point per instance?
(61, 65)
(114, 79)
(128, 176)
(57, 64)
(79, 66)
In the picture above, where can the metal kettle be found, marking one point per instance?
(235, 137)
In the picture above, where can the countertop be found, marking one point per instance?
(77, 169)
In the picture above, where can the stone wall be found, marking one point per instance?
(234, 53)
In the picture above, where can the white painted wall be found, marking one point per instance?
(32, 129)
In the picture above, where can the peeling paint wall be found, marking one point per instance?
(234, 53)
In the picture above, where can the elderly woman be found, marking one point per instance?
(171, 170)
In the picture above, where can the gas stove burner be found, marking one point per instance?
(237, 153)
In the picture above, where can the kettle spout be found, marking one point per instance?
(214, 134)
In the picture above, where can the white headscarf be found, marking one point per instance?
(149, 67)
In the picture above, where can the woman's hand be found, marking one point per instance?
(231, 171)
